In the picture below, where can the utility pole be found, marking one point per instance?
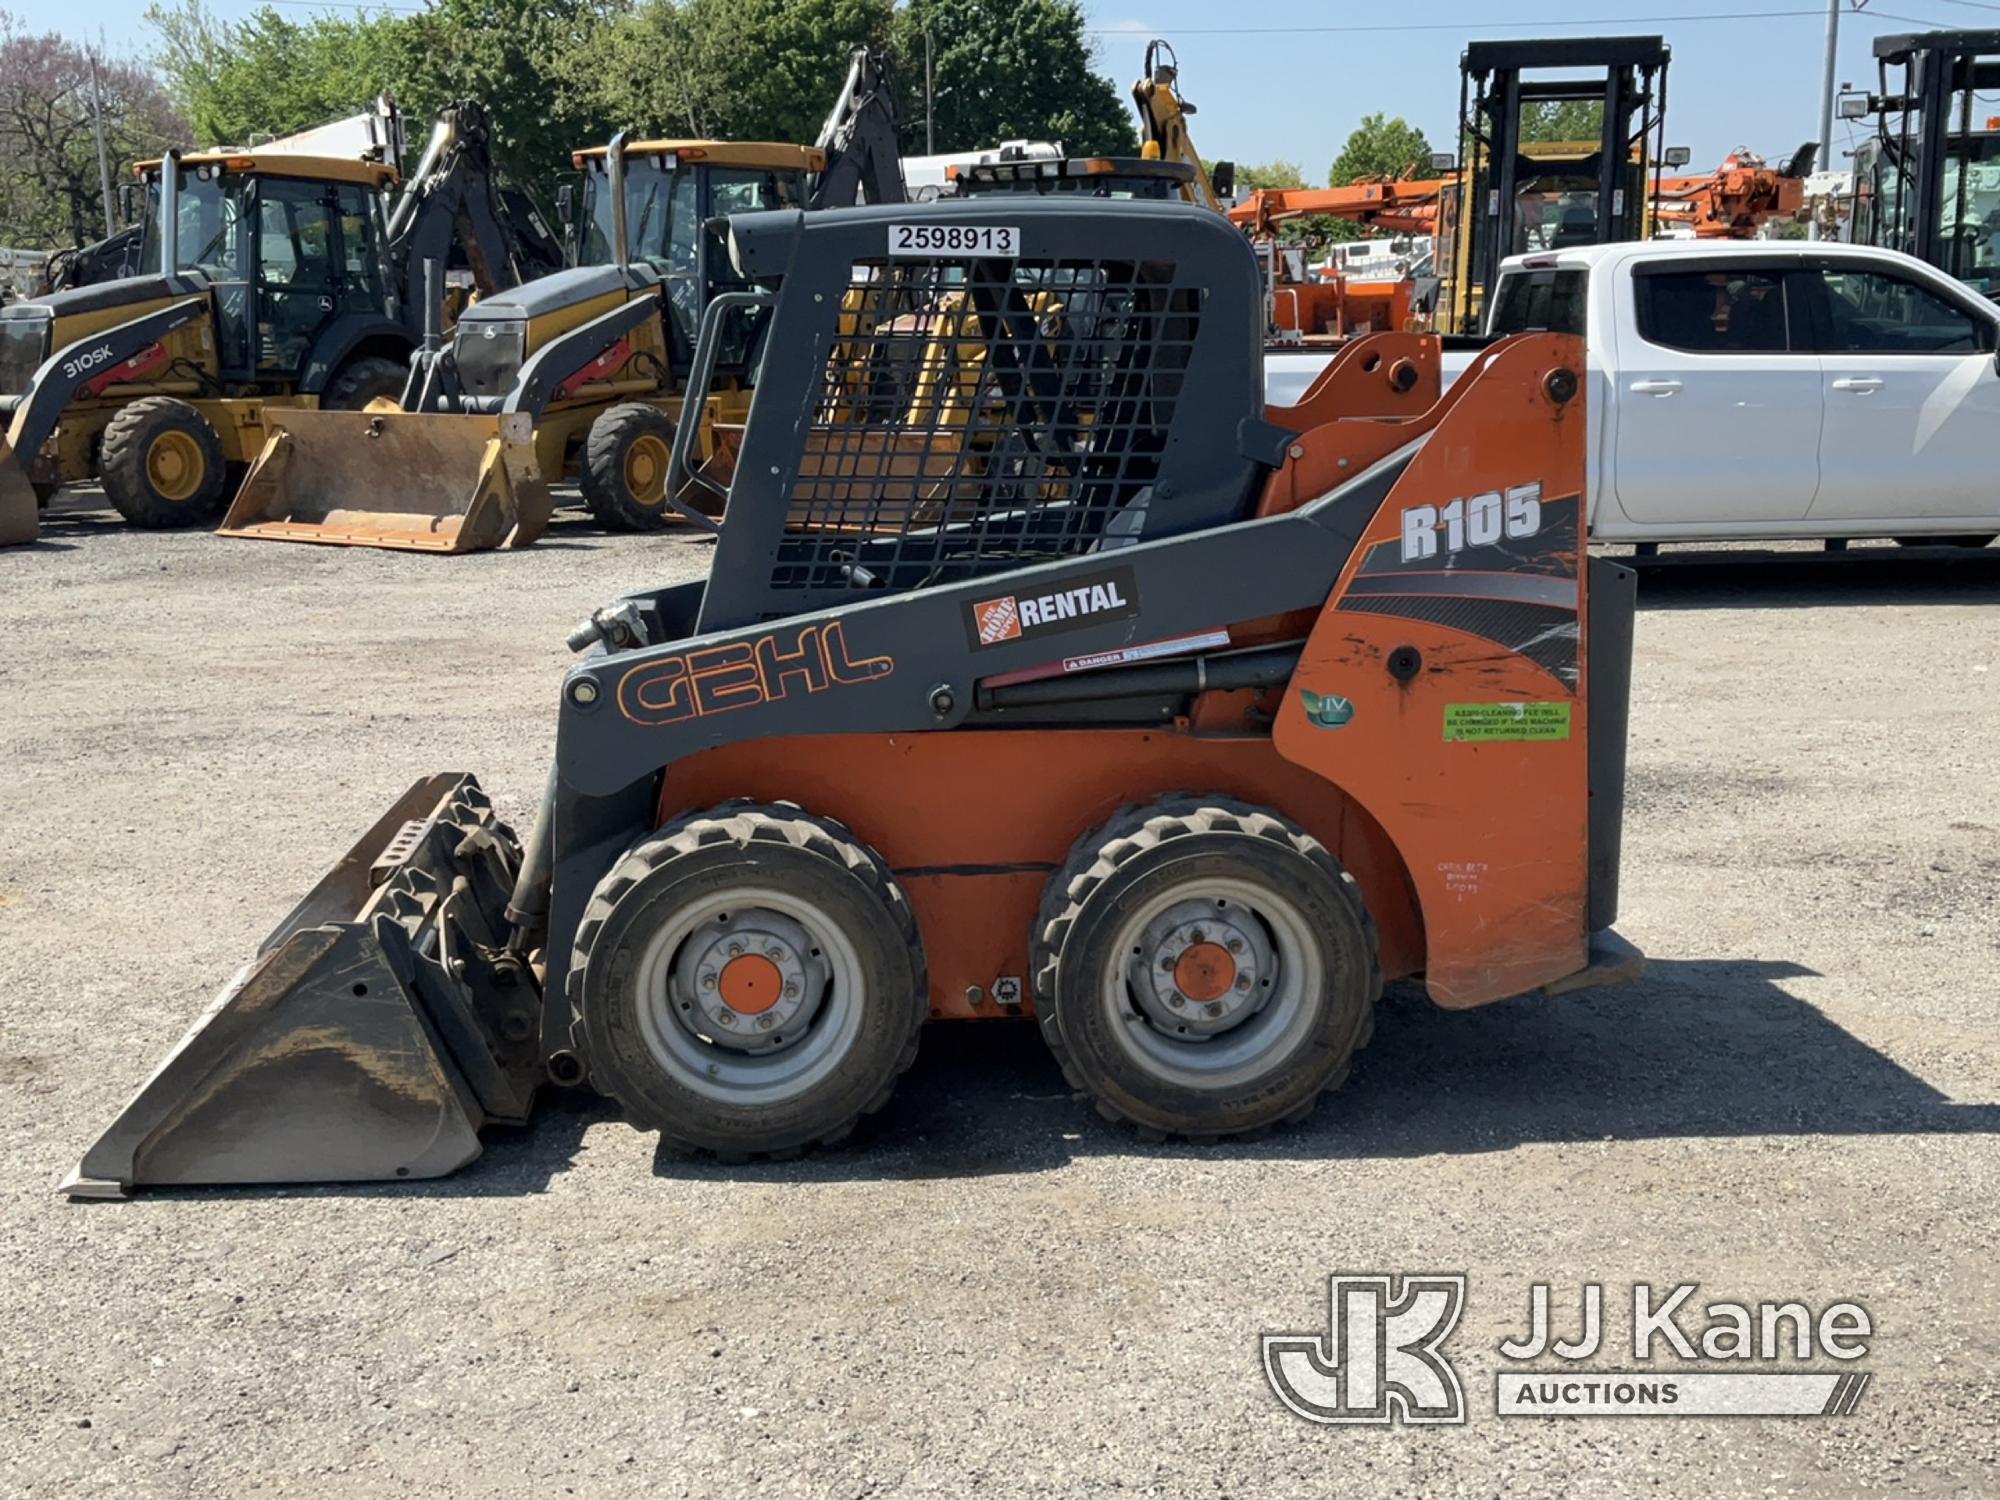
(103, 157)
(930, 114)
(1826, 86)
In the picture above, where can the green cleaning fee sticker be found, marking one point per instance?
(1506, 721)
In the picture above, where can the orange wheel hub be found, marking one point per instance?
(751, 984)
(1205, 972)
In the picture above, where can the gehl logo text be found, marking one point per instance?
(744, 674)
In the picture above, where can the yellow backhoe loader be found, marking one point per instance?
(580, 372)
(283, 279)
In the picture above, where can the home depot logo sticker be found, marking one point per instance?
(1083, 601)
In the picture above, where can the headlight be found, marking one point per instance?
(24, 345)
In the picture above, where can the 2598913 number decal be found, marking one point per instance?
(948, 239)
(1480, 521)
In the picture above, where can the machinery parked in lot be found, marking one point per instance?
(1087, 688)
(1928, 181)
(1775, 389)
(581, 370)
(284, 280)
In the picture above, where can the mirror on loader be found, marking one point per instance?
(1073, 683)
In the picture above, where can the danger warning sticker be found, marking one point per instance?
(1091, 599)
(1179, 645)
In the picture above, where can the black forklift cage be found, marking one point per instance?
(1628, 74)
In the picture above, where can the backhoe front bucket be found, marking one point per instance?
(373, 1034)
(20, 511)
(418, 481)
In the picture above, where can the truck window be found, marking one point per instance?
(1713, 312)
(1871, 312)
(1540, 301)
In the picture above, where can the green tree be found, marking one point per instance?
(271, 73)
(1269, 174)
(1563, 120)
(1380, 146)
(724, 69)
(1007, 70)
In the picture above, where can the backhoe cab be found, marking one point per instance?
(274, 279)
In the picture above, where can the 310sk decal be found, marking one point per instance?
(745, 674)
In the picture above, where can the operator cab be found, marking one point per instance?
(673, 189)
(289, 243)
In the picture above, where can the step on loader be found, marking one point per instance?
(1098, 697)
(581, 372)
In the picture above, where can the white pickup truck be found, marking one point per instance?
(1764, 390)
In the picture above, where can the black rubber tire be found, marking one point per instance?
(121, 464)
(1974, 540)
(603, 475)
(363, 381)
(691, 859)
(1111, 869)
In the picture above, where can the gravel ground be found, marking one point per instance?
(989, 1288)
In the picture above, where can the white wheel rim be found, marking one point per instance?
(1250, 1037)
(681, 1034)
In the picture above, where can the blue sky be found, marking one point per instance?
(1285, 85)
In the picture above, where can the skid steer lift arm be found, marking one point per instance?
(1356, 712)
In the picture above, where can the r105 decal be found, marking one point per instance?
(1479, 521)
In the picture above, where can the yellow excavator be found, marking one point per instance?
(579, 372)
(284, 278)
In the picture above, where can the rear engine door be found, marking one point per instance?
(1717, 392)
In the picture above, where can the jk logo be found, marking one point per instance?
(1378, 1361)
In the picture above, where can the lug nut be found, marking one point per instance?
(727, 1018)
(708, 981)
(1236, 945)
(766, 1021)
(1166, 960)
(735, 950)
(791, 992)
(1213, 1012)
(1175, 1002)
(1242, 981)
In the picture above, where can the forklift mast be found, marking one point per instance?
(1922, 184)
(1627, 75)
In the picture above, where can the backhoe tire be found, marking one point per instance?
(1203, 967)
(624, 477)
(363, 381)
(748, 981)
(1974, 540)
(162, 465)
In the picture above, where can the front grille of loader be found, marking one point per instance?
(977, 415)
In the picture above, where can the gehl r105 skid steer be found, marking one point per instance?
(1087, 690)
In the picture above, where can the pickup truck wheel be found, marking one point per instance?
(1974, 539)
(162, 464)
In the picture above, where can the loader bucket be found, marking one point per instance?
(20, 511)
(371, 1036)
(417, 481)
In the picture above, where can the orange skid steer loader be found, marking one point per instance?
(1172, 722)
